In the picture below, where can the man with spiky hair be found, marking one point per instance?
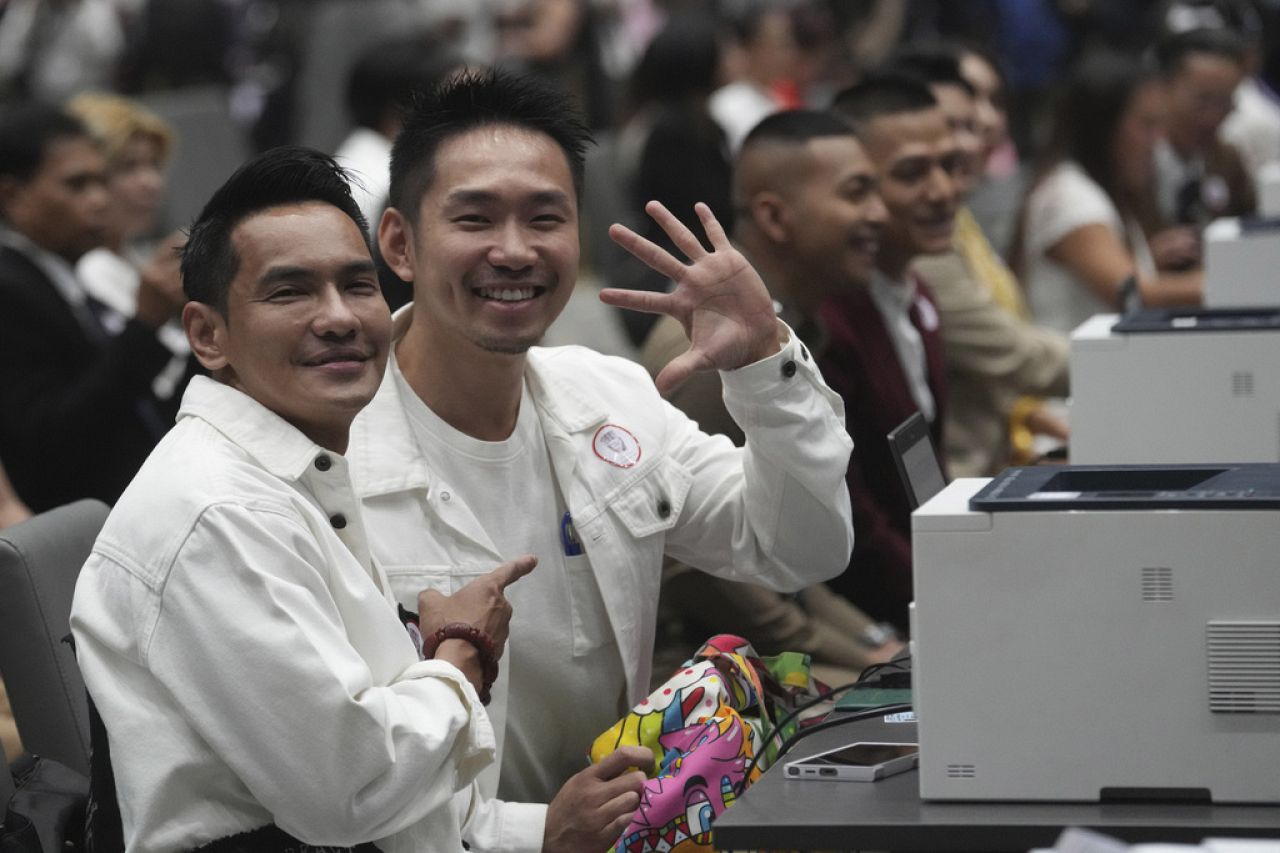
(258, 689)
(481, 444)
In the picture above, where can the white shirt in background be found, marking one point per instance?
(894, 300)
(366, 155)
(1065, 200)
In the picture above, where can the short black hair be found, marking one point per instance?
(477, 99)
(290, 174)
(935, 64)
(882, 94)
(387, 73)
(26, 132)
(1172, 51)
(797, 127)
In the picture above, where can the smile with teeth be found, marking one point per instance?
(507, 294)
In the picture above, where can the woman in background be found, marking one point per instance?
(1081, 235)
(137, 145)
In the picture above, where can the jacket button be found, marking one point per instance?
(323, 463)
(338, 521)
(664, 508)
(788, 368)
(804, 353)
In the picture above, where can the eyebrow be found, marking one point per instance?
(464, 196)
(291, 272)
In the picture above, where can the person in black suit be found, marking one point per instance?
(76, 413)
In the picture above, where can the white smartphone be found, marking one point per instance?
(863, 761)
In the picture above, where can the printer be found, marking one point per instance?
(1241, 257)
(1176, 385)
(1095, 633)
(1269, 189)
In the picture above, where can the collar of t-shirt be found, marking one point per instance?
(893, 299)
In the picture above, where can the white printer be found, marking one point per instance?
(1241, 262)
(1087, 633)
(1175, 386)
(1269, 190)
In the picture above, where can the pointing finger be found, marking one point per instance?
(511, 571)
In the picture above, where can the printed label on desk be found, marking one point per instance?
(904, 717)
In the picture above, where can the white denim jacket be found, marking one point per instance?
(776, 512)
(246, 658)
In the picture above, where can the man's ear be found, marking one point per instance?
(772, 215)
(206, 331)
(395, 242)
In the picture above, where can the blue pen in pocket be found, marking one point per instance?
(569, 537)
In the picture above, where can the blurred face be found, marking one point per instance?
(989, 111)
(837, 213)
(63, 206)
(1201, 95)
(1139, 129)
(306, 331)
(494, 253)
(919, 162)
(958, 106)
(772, 54)
(136, 185)
(538, 30)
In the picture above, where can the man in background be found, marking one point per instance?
(77, 414)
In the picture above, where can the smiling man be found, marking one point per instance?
(258, 690)
(481, 445)
(890, 330)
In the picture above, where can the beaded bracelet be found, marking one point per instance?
(479, 639)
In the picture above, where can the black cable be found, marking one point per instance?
(839, 721)
(900, 663)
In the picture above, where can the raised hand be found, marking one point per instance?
(719, 298)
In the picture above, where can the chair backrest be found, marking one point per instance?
(39, 562)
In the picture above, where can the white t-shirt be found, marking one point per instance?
(1068, 199)
(510, 487)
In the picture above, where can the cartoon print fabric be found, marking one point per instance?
(705, 724)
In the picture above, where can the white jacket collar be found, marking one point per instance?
(382, 437)
(273, 442)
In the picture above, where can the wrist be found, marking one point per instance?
(771, 345)
(481, 645)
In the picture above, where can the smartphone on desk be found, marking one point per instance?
(864, 761)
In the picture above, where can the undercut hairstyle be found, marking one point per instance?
(1172, 51)
(472, 100)
(277, 177)
(882, 94)
(27, 131)
(936, 65)
(797, 127)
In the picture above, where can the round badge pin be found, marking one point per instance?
(616, 445)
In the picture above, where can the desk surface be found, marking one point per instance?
(888, 815)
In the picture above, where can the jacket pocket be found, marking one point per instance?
(653, 503)
(407, 581)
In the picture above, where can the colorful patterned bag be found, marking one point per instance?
(705, 725)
